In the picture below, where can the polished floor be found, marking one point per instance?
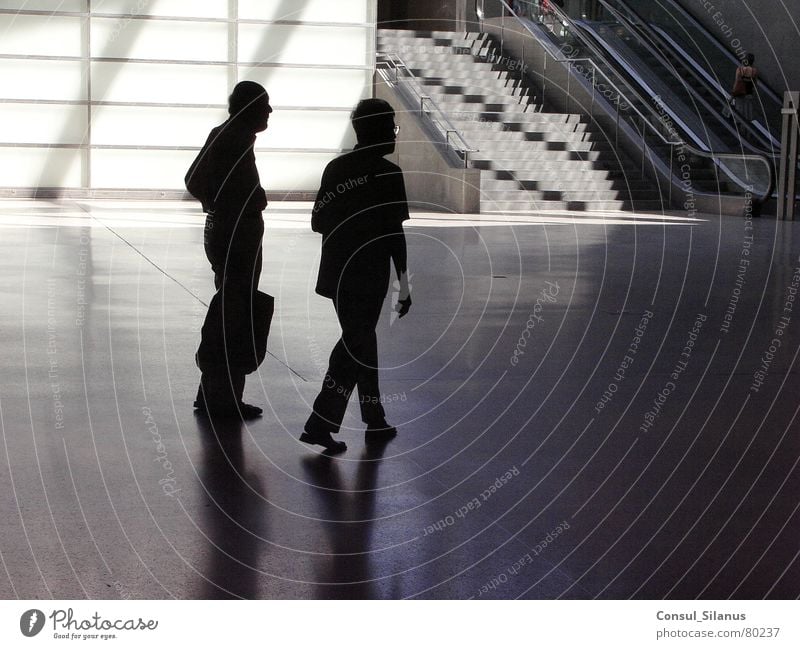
(589, 406)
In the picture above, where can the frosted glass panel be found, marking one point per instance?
(129, 169)
(303, 44)
(44, 5)
(166, 83)
(62, 80)
(309, 129)
(166, 169)
(339, 11)
(159, 39)
(197, 9)
(40, 35)
(291, 171)
(128, 33)
(150, 126)
(42, 124)
(309, 87)
(35, 167)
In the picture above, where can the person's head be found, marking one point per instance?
(373, 122)
(249, 105)
(749, 59)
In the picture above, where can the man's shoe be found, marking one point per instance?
(242, 411)
(249, 411)
(323, 439)
(379, 432)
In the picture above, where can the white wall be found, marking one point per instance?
(120, 94)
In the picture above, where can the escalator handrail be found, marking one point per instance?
(646, 86)
(596, 70)
(634, 29)
(698, 69)
(715, 157)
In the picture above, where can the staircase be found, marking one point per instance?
(530, 160)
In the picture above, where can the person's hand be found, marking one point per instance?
(403, 306)
(404, 299)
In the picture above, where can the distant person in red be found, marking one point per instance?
(225, 179)
(360, 209)
(744, 87)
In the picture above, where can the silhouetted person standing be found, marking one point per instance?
(744, 87)
(225, 179)
(360, 209)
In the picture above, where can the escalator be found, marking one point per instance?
(673, 61)
(664, 75)
(678, 58)
(669, 91)
(686, 104)
(699, 56)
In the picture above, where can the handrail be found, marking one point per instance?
(444, 125)
(716, 158)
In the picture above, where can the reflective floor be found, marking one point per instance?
(589, 406)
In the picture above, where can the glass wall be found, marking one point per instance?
(120, 94)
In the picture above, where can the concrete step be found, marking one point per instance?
(473, 101)
(509, 106)
(509, 189)
(495, 207)
(477, 102)
(446, 59)
(467, 75)
(453, 37)
(459, 67)
(620, 179)
(403, 47)
(488, 91)
(540, 140)
(568, 195)
(476, 87)
(483, 134)
(506, 148)
(519, 128)
(442, 61)
(437, 34)
(491, 79)
(530, 117)
(471, 87)
(561, 160)
(560, 184)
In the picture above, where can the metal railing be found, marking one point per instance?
(394, 71)
(739, 168)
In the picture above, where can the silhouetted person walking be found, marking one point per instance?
(360, 209)
(225, 179)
